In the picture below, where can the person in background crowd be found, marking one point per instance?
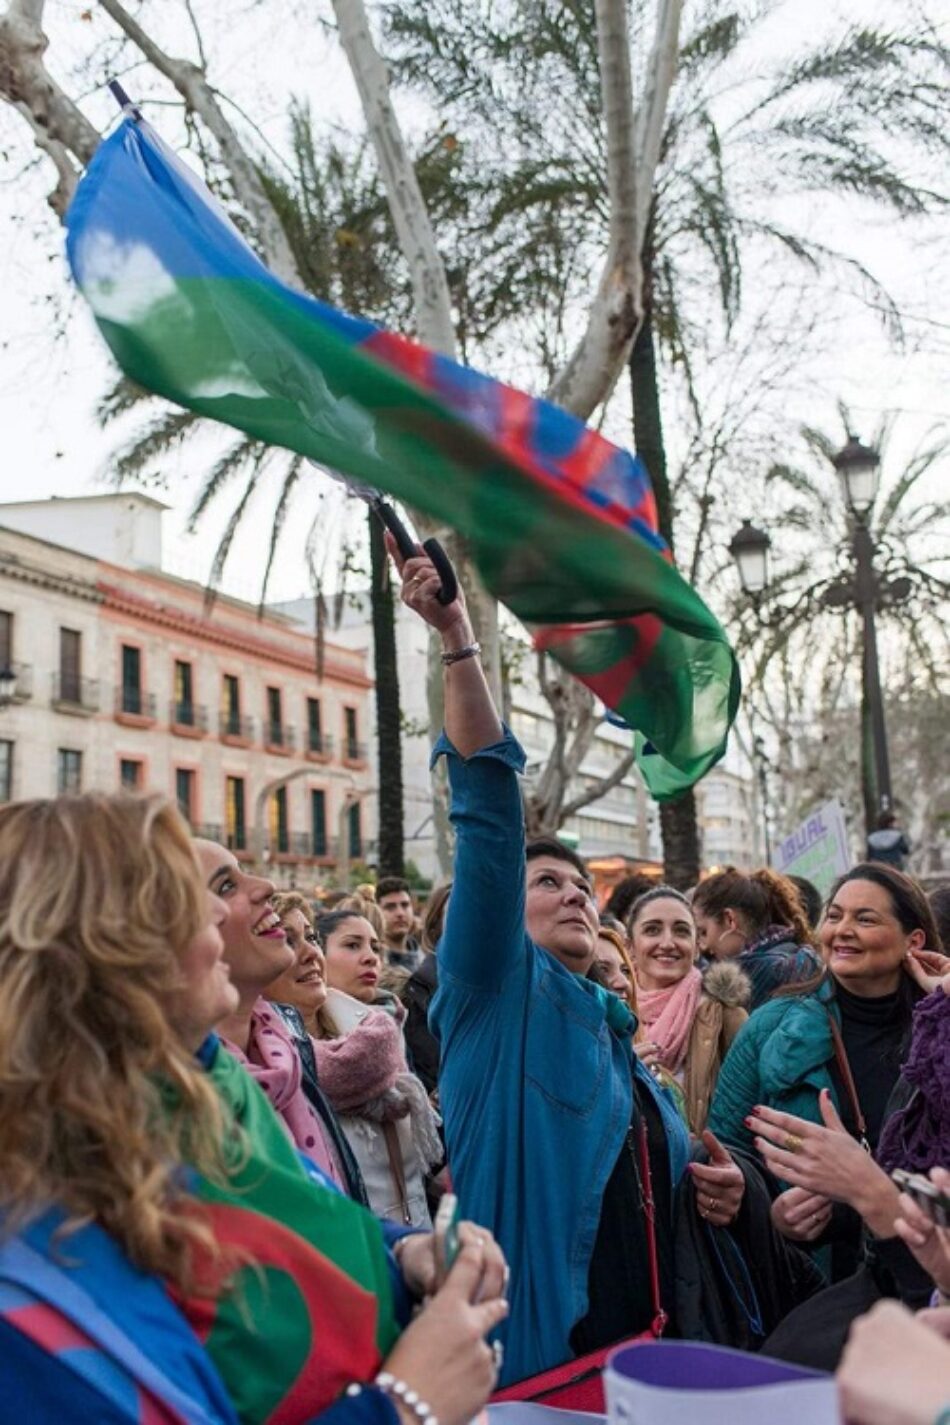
(757, 920)
(830, 1163)
(256, 952)
(362, 1068)
(299, 995)
(149, 1193)
(551, 1122)
(896, 1367)
(888, 843)
(422, 1045)
(400, 945)
(838, 1039)
(940, 905)
(688, 1020)
(611, 965)
(810, 897)
(625, 892)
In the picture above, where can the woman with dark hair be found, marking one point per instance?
(758, 921)
(830, 1048)
(356, 1031)
(688, 1020)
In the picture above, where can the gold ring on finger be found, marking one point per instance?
(793, 1144)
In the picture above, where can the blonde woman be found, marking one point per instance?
(147, 1189)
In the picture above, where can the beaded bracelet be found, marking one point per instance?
(397, 1389)
(471, 650)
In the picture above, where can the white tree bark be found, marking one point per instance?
(633, 149)
(59, 127)
(430, 288)
(191, 81)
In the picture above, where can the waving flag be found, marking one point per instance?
(561, 524)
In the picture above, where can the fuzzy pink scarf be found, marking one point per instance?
(667, 1016)
(273, 1061)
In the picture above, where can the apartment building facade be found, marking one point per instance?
(120, 675)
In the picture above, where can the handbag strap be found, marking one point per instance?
(397, 1168)
(844, 1068)
(660, 1318)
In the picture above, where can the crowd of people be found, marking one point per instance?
(228, 1116)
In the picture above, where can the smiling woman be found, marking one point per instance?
(361, 1066)
(688, 1020)
(844, 1033)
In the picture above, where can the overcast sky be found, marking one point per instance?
(53, 365)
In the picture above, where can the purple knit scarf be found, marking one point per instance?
(917, 1137)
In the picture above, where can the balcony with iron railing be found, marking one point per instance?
(279, 737)
(72, 694)
(133, 707)
(235, 729)
(187, 719)
(354, 752)
(319, 746)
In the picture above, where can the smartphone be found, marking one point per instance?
(446, 1230)
(928, 1197)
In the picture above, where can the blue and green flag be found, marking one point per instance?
(560, 522)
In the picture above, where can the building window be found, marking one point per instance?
(351, 733)
(355, 820)
(6, 640)
(235, 825)
(231, 705)
(279, 826)
(318, 822)
(275, 718)
(184, 695)
(131, 679)
(314, 725)
(68, 770)
(70, 665)
(6, 771)
(130, 775)
(185, 792)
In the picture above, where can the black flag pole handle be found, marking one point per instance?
(407, 548)
(123, 100)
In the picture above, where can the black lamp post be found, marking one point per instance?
(858, 468)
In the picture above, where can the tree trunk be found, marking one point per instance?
(678, 826)
(388, 716)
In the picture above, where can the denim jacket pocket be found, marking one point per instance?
(567, 1053)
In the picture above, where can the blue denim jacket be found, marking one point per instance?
(536, 1080)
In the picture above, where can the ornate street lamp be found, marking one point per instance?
(859, 470)
(750, 549)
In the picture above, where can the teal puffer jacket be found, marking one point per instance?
(781, 1058)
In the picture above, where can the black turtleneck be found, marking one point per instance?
(873, 1031)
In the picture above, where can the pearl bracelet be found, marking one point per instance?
(397, 1389)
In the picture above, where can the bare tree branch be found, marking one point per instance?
(192, 84)
(633, 148)
(61, 196)
(601, 787)
(430, 288)
(27, 85)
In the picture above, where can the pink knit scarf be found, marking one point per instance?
(667, 1016)
(273, 1061)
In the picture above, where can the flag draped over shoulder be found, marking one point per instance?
(561, 524)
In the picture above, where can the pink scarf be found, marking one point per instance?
(667, 1016)
(273, 1061)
